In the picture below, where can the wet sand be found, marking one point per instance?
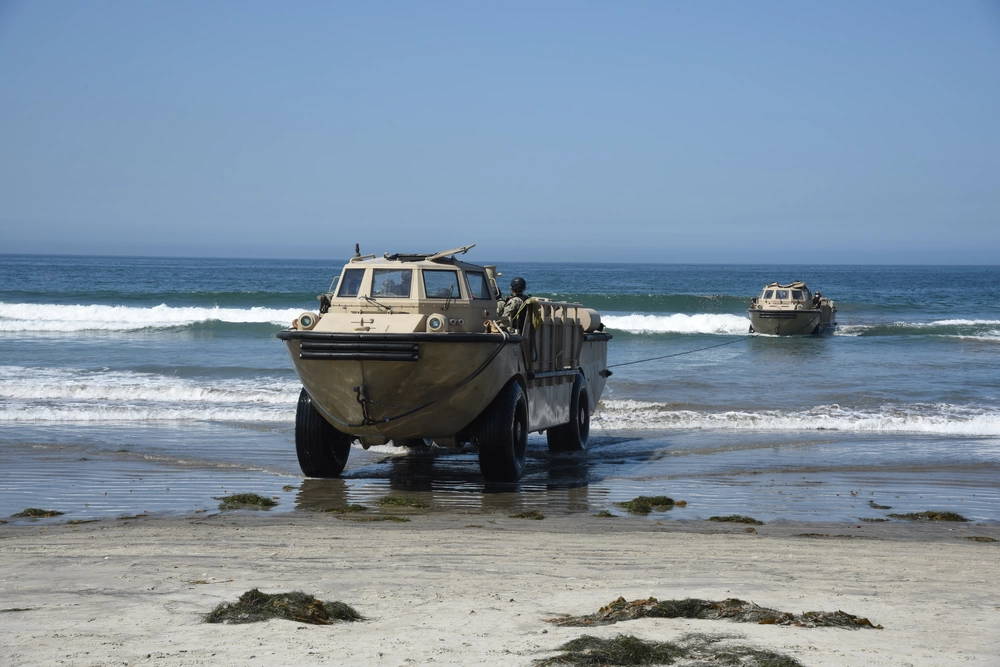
(451, 587)
(818, 476)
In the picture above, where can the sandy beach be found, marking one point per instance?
(455, 588)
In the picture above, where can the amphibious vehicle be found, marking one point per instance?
(407, 349)
(791, 310)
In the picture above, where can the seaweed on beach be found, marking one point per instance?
(245, 501)
(732, 609)
(604, 514)
(629, 650)
(980, 538)
(365, 518)
(35, 513)
(872, 519)
(875, 506)
(646, 504)
(402, 501)
(737, 518)
(255, 606)
(931, 515)
(350, 508)
(528, 514)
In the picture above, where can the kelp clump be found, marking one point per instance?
(350, 508)
(646, 504)
(251, 501)
(402, 501)
(254, 606)
(732, 609)
(931, 515)
(736, 518)
(528, 514)
(35, 513)
(630, 650)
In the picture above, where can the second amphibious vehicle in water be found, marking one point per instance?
(791, 310)
(408, 348)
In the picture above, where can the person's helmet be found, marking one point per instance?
(518, 285)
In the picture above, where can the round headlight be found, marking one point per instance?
(434, 323)
(307, 320)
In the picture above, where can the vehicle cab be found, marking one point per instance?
(777, 296)
(406, 293)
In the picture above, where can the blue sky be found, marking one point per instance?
(798, 131)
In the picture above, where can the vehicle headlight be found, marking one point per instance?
(307, 321)
(436, 323)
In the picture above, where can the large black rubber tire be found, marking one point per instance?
(322, 449)
(572, 436)
(502, 435)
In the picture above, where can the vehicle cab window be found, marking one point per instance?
(768, 294)
(797, 295)
(478, 287)
(391, 283)
(441, 284)
(781, 294)
(350, 283)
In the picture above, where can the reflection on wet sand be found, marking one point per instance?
(452, 481)
(770, 475)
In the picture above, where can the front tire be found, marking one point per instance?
(572, 436)
(322, 450)
(502, 435)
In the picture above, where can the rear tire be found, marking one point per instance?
(502, 435)
(572, 436)
(322, 449)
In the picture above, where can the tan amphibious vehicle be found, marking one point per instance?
(791, 310)
(408, 349)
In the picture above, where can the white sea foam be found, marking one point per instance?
(940, 418)
(49, 394)
(705, 323)
(964, 328)
(68, 318)
(90, 413)
(19, 383)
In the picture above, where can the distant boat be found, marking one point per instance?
(791, 310)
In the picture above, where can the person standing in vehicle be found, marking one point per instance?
(507, 313)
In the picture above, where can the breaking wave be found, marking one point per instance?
(955, 328)
(656, 303)
(33, 317)
(41, 394)
(938, 418)
(703, 323)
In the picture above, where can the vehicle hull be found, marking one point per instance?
(780, 322)
(418, 385)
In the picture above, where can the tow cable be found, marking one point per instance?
(677, 354)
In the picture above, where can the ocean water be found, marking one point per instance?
(134, 385)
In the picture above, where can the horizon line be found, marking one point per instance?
(520, 261)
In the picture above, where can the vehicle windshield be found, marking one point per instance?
(351, 282)
(441, 284)
(781, 294)
(391, 283)
(478, 287)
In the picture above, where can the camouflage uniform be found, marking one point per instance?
(507, 312)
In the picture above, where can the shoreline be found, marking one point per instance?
(463, 588)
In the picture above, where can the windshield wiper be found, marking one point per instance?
(376, 302)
